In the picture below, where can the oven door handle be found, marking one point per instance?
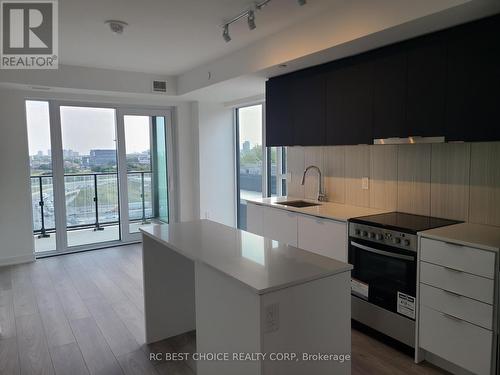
(382, 252)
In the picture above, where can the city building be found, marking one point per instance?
(100, 158)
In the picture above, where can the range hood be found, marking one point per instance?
(407, 140)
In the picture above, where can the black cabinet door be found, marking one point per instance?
(389, 92)
(473, 82)
(308, 103)
(425, 100)
(279, 124)
(349, 104)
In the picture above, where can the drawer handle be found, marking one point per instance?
(452, 317)
(452, 293)
(453, 244)
(453, 269)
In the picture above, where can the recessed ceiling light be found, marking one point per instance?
(116, 26)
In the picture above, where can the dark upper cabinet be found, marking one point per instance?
(473, 82)
(295, 109)
(349, 103)
(308, 108)
(389, 92)
(279, 124)
(442, 84)
(426, 86)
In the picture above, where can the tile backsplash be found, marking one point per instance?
(452, 180)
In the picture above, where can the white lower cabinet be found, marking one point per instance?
(323, 237)
(456, 340)
(280, 225)
(255, 219)
(456, 300)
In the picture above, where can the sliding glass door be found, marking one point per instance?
(90, 166)
(97, 174)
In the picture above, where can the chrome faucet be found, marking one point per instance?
(321, 195)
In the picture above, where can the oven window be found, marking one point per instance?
(385, 276)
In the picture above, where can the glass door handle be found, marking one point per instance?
(382, 252)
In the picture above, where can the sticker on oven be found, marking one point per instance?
(406, 305)
(359, 288)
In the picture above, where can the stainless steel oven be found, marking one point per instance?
(383, 252)
(383, 284)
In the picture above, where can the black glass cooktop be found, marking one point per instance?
(403, 222)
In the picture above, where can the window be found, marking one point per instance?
(261, 171)
(97, 173)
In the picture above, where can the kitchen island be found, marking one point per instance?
(273, 306)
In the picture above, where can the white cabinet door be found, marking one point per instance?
(255, 218)
(280, 225)
(455, 340)
(324, 237)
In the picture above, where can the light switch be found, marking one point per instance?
(364, 183)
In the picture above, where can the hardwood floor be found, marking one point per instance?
(84, 314)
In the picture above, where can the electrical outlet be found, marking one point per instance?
(272, 317)
(365, 183)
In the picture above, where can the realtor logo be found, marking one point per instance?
(29, 34)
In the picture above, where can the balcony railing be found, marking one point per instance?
(92, 200)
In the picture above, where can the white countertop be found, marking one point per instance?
(476, 235)
(327, 210)
(263, 265)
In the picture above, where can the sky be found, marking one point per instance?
(84, 129)
(250, 121)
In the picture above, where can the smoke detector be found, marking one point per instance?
(116, 26)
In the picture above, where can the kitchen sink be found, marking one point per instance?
(298, 204)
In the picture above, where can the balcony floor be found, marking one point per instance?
(83, 237)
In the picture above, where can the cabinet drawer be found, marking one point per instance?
(280, 225)
(323, 237)
(455, 340)
(471, 260)
(470, 310)
(465, 284)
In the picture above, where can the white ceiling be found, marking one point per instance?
(167, 37)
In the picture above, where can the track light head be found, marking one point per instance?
(225, 33)
(116, 26)
(302, 2)
(251, 20)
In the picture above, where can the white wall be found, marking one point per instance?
(16, 236)
(216, 163)
(16, 240)
(91, 79)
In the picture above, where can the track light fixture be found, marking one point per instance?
(251, 20)
(250, 14)
(225, 33)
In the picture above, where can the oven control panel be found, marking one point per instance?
(392, 238)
